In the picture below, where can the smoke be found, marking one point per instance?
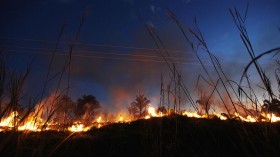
(115, 74)
(123, 72)
(44, 108)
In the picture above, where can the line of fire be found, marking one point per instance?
(60, 113)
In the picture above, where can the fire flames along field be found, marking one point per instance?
(36, 124)
(156, 133)
(57, 126)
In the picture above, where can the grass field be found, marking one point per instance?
(166, 136)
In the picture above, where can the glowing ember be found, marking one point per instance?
(247, 119)
(147, 117)
(30, 126)
(272, 117)
(120, 119)
(193, 114)
(78, 128)
(221, 117)
(99, 119)
(152, 111)
(251, 119)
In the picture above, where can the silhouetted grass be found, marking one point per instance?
(153, 137)
(3, 80)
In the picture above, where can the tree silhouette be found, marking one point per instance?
(87, 106)
(272, 106)
(141, 104)
(64, 108)
(133, 110)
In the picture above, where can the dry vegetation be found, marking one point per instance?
(167, 136)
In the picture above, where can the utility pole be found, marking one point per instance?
(161, 93)
(175, 88)
(179, 90)
(168, 99)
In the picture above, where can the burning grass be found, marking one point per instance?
(35, 124)
(159, 136)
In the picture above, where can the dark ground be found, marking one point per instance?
(168, 136)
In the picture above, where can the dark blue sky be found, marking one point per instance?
(103, 63)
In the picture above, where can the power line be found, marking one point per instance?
(105, 45)
(103, 57)
(113, 46)
(106, 53)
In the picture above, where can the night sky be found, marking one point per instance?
(114, 56)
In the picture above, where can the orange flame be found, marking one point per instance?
(78, 128)
(9, 121)
(33, 123)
